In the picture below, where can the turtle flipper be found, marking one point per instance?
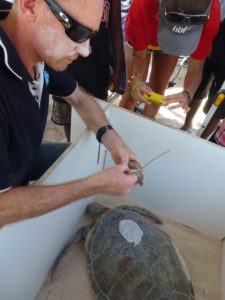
(142, 211)
(80, 234)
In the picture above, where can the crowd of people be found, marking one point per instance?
(77, 50)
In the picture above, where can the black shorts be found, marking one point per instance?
(215, 88)
(212, 79)
(208, 76)
(219, 113)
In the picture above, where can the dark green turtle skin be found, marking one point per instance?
(125, 266)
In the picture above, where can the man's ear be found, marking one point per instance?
(28, 8)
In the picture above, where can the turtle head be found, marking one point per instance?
(95, 209)
(137, 170)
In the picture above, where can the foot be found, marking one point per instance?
(185, 127)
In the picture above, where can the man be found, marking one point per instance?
(168, 29)
(36, 31)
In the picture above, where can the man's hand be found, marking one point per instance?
(120, 152)
(116, 181)
(179, 100)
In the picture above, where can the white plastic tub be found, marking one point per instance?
(186, 184)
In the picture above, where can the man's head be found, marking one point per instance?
(181, 23)
(40, 25)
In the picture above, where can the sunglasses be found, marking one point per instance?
(75, 31)
(192, 19)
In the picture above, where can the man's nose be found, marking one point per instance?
(83, 49)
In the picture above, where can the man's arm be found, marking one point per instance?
(94, 117)
(88, 109)
(191, 82)
(27, 202)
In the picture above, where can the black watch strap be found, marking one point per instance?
(101, 131)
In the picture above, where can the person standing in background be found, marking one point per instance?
(168, 29)
(218, 136)
(212, 80)
(93, 72)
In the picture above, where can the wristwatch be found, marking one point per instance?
(101, 131)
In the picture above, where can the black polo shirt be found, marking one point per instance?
(5, 7)
(23, 112)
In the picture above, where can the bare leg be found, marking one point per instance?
(147, 65)
(127, 100)
(212, 125)
(194, 106)
(162, 68)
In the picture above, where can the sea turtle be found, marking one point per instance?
(129, 257)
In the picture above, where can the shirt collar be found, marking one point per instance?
(10, 58)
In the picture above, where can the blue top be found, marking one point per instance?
(23, 112)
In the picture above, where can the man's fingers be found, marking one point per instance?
(124, 167)
(171, 107)
(186, 108)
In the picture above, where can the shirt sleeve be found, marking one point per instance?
(59, 83)
(5, 172)
(135, 27)
(209, 32)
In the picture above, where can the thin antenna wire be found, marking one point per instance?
(155, 158)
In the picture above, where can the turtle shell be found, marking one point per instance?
(131, 258)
